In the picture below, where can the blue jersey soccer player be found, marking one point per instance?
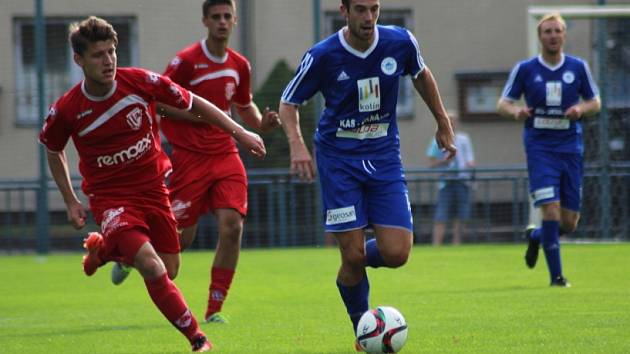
(552, 84)
(357, 145)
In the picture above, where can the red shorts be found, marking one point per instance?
(127, 223)
(202, 183)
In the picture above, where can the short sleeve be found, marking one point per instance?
(56, 131)
(589, 89)
(415, 64)
(179, 70)
(243, 95)
(514, 86)
(306, 81)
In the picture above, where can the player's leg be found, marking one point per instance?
(227, 199)
(394, 245)
(352, 280)
(230, 224)
(345, 217)
(570, 193)
(163, 292)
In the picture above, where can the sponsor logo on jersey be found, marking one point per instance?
(84, 114)
(369, 94)
(52, 111)
(201, 66)
(389, 66)
(343, 76)
(178, 207)
(131, 153)
(230, 90)
(364, 131)
(538, 78)
(543, 193)
(153, 77)
(568, 77)
(554, 93)
(111, 220)
(340, 215)
(134, 118)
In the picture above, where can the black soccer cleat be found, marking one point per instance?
(533, 246)
(561, 282)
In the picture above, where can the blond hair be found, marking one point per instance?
(554, 16)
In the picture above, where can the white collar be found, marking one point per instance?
(355, 52)
(218, 60)
(542, 62)
(98, 98)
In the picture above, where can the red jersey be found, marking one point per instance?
(115, 135)
(222, 81)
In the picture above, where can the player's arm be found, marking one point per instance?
(58, 165)
(427, 88)
(510, 109)
(264, 122)
(205, 112)
(584, 109)
(301, 160)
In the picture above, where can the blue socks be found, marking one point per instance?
(372, 255)
(356, 299)
(549, 236)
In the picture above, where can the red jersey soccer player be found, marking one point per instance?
(208, 174)
(109, 117)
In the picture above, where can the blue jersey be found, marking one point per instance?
(550, 91)
(360, 91)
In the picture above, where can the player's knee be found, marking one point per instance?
(354, 258)
(150, 267)
(568, 227)
(232, 228)
(397, 259)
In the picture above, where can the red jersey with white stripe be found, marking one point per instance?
(222, 81)
(116, 134)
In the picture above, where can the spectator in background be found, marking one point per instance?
(453, 202)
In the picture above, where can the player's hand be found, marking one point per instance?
(301, 163)
(252, 142)
(269, 120)
(574, 112)
(445, 138)
(522, 113)
(76, 214)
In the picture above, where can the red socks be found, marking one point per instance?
(171, 303)
(221, 279)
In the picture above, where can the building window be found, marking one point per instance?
(61, 71)
(334, 22)
(478, 93)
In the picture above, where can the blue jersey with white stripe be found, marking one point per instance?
(550, 91)
(360, 91)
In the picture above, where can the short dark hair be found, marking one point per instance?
(346, 4)
(92, 29)
(207, 4)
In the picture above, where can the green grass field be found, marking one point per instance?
(466, 299)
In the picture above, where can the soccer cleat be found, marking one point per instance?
(92, 244)
(216, 317)
(120, 272)
(533, 246)
(561, 282)
(201, 344)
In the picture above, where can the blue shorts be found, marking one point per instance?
(358, 193)
(555, 177)
(453, 202)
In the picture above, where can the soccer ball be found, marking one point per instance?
(382, 330)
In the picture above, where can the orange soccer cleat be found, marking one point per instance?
(92, 243)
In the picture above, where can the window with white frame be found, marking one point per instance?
(61, 73)
(334, 22)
